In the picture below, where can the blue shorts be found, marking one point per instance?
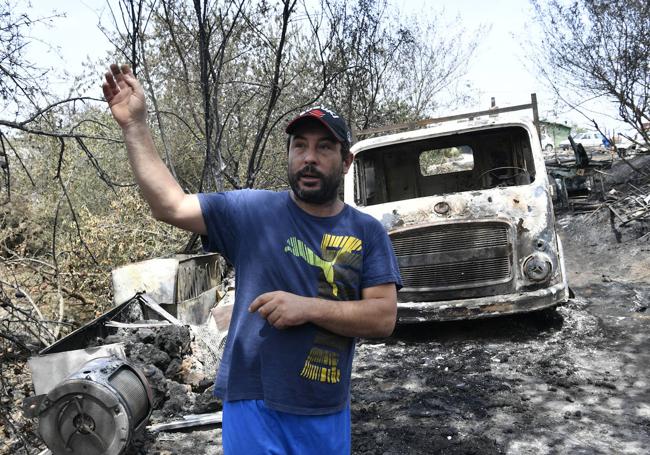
(250, 428)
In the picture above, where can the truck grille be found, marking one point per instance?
(453, 256)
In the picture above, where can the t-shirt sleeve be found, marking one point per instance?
(379, 262)
(221, 221)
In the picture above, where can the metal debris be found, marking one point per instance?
(631, 206)
(188, 421)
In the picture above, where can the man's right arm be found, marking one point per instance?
(168, 201)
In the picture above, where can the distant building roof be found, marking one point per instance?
(555, 123)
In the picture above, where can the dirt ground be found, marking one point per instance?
(574, 380)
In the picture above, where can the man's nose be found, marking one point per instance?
(311, 154)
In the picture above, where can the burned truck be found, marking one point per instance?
(467, 205)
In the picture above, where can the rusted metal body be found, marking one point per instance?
(467, 205)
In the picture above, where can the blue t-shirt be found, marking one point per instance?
(276, 246)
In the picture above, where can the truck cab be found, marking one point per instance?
(467, 205)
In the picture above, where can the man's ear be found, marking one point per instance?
(347, 162)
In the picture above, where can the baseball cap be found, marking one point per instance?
(330, 119)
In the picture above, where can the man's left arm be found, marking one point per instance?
(372, 316)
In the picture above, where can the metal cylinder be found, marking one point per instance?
(96, 410)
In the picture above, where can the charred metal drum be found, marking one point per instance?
(96, 410)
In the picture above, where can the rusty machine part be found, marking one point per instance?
(96, 410)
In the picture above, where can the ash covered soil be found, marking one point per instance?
(574, 381)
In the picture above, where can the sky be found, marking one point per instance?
(499, 68)
(65, 42)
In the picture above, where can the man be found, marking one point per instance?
(311, 274)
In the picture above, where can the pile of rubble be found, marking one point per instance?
(632, 205)
(178, 379)
(622, 188)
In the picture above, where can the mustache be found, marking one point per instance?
(310, 171)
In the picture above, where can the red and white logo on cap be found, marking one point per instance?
(318, 111)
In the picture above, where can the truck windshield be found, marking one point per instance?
(447, 164)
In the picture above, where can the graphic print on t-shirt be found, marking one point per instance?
(340, 268)
(340, 262)
(322, 363)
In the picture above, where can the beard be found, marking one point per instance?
(326, 192)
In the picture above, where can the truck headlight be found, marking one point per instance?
(538, 267)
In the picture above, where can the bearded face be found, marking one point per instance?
(316, 166)
(313, 186)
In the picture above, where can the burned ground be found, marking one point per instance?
(567, 381)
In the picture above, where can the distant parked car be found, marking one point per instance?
(588, 139)
(547, 144)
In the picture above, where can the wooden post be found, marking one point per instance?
(533, 102)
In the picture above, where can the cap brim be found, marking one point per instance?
(294, 123)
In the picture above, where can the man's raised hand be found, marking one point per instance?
(125, 96)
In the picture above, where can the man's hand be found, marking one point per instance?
(125, 96)
(282, 309)
(167, 200)
(372, 316)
